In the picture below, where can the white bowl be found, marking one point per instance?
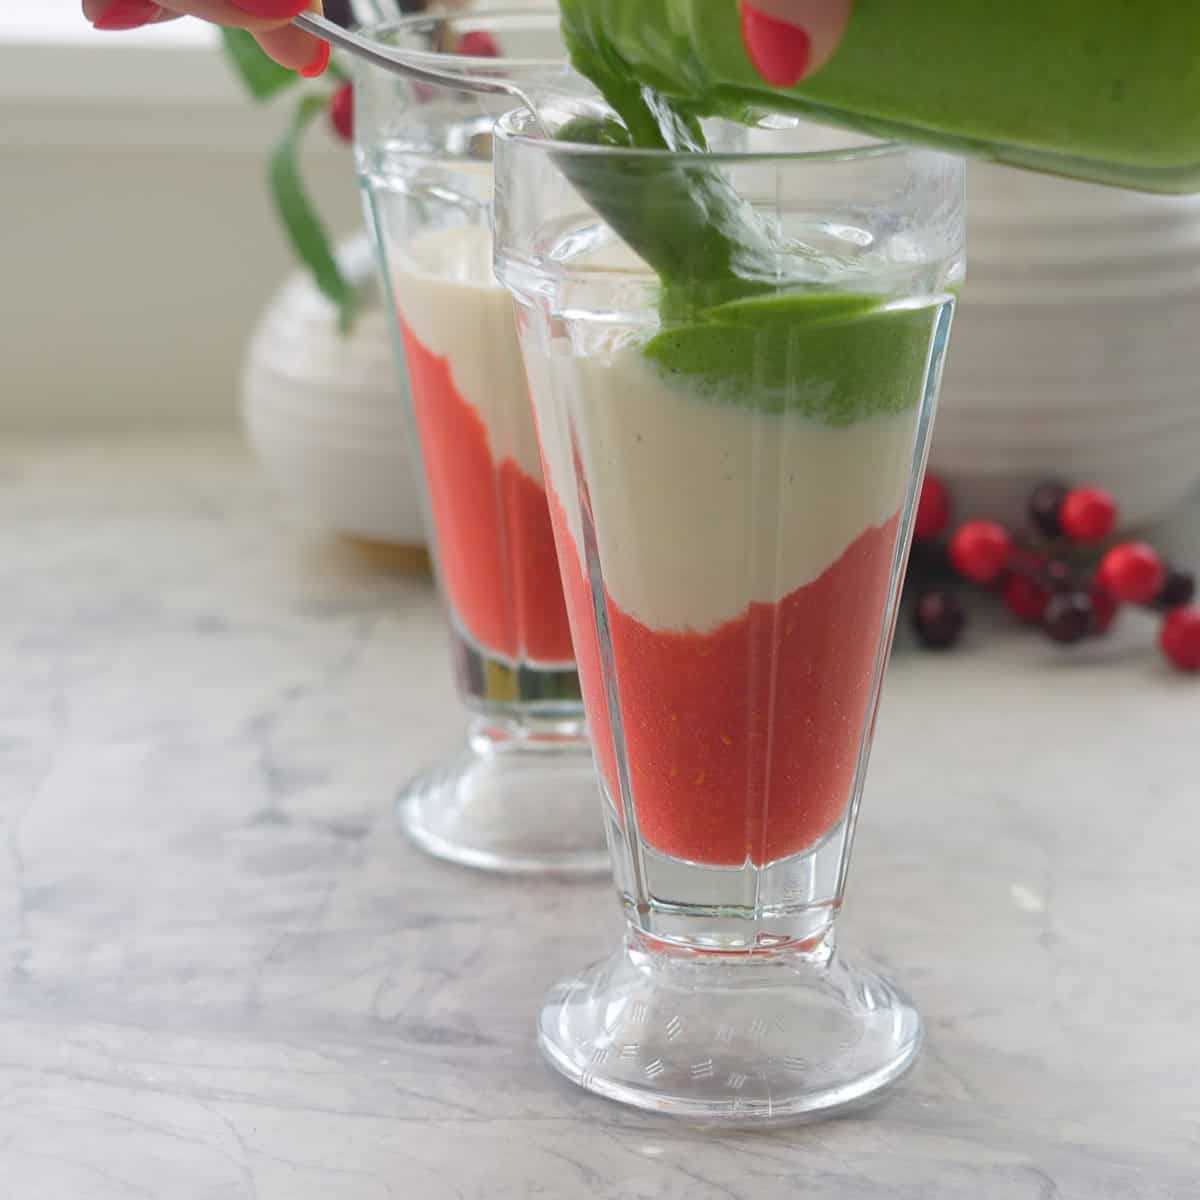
(1076, 347)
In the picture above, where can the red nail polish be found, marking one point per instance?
(272, 10)
(319, 63)
(127, 14)
(779, 51)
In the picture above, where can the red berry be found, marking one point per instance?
(1045, 507)
(1180, 637)
(933, 510)
(979, 550)
(1178, 589)
(478, 43)
(1104, 607)
(1026, 598)
(1088, 514)
(939, 618)
(1133, 572)
(341, 112)
(1068, 617)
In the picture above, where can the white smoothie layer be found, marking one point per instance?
(703, 507)
(450, 300)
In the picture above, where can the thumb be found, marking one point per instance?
(789, 39)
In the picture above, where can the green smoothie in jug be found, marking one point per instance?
(1107, 90)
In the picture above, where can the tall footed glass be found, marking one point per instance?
(521, 795)
(731, 469)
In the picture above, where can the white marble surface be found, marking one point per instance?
(224, 975)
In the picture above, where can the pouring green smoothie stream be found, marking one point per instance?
(730, 315)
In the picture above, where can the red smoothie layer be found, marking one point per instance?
(495, 540)
(742, 742)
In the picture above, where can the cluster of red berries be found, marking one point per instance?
(1041, 587)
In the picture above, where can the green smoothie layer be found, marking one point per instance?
(835, 357)
(1107, 89)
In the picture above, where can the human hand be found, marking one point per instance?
(268, 20)
(789, 39)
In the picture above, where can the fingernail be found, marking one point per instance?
(779, 51)
(272, 10)
(127, 14)
(319, 63)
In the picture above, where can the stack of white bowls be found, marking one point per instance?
(327, 414)
(1076, 348)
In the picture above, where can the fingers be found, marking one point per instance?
(254, 15)
(789, 39)
(123, 14)
(268, 20)
(296, 49)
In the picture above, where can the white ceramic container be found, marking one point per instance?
(326, 413)
(1076, 348)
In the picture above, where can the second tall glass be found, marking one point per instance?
(522, 794)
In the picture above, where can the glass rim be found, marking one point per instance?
(505, 131)
(467, 64)
(472, 65)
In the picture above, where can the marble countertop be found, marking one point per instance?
(226, 977)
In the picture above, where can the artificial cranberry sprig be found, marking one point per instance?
(265, 79)
(1038, 583)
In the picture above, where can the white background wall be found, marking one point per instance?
(137, 243)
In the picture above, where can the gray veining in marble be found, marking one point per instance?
(225, 977)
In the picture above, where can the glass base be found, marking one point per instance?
(518, 799)
(736, 1039)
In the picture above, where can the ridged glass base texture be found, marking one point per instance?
(752, 1039)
